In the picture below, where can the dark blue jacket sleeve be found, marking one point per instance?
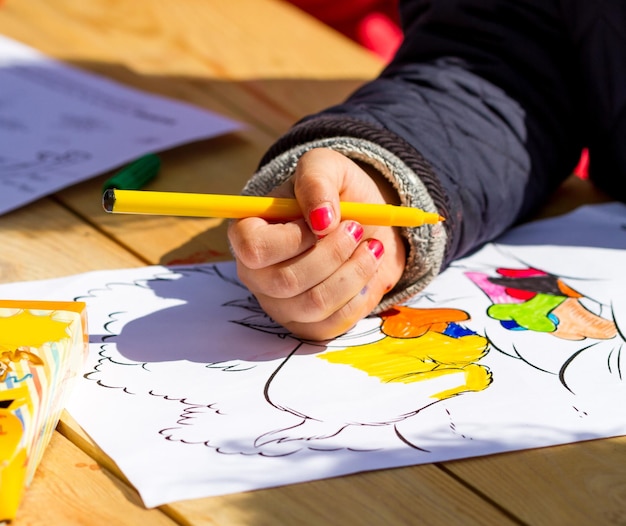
(490, 102)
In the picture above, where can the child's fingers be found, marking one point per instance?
(291, 278)
(349, 289)
(259, 244)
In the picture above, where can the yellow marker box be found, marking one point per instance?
(43, 347)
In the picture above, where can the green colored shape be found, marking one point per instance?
(532, 314)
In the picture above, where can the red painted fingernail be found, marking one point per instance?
(376, 248)
(321, 218)
(355, 230)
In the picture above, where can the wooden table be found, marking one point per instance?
(265, 63)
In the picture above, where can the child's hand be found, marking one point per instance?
(319, 276)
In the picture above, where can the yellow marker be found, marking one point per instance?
(270, 208)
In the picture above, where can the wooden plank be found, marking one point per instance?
(238, 40)
(418, 495)
(69, 488)
(44, 240)
(293, 63)
(581, 483)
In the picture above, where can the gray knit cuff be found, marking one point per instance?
(426, 243)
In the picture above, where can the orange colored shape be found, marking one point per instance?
(577, 323)
(407, 322)
(567, 290)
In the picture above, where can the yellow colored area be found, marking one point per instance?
(59, 308)
(26, 329)
(431, 355)
(43, 346)
(12, 464)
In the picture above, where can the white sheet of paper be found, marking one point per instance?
(60, 125)
(193, 391)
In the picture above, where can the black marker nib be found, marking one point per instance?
(108, 199)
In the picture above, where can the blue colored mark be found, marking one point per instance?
(512, 325)
(12, 380)
(454, 330)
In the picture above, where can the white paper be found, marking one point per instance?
(193, 391)
(60, 125)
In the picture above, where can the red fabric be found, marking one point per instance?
(372, 23)
(582, 169)
(380, 34)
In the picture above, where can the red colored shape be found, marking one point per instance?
(521, 272)
(520, 294)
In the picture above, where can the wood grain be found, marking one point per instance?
(421, 495)
(582, 483)
(45, 240)
(71, 488)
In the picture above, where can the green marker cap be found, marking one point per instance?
(135, 175)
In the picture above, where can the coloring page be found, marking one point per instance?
(194, 391)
